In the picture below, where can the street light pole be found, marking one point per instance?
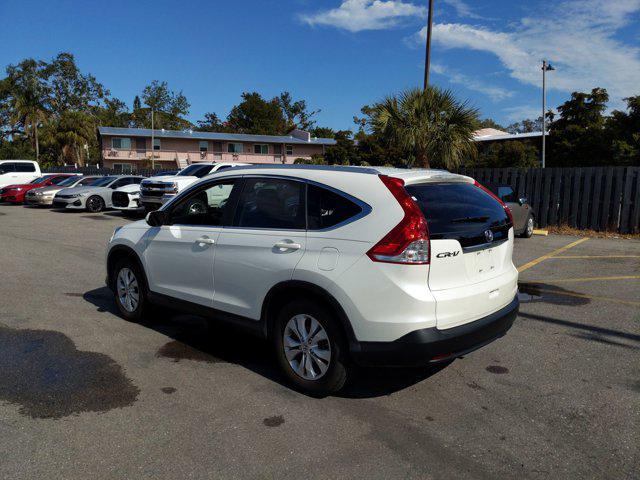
(545, 67)
(152, 150)
(428, 53)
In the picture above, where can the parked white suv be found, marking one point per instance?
(18, 172)
(156, 191)
(334, 265)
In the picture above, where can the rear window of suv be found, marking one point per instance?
(460, 211)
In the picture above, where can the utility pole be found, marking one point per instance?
(545, 68)
(428, 55)
(152, 143)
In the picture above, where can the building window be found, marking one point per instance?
(289, 149)
(234, 147)
(204, 146)
(119, 143)
(122, 167)
(156, 144)
(261, 149)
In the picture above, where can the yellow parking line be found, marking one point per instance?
(586, 279)
(533, 263)
(590, 297)
(571, 257)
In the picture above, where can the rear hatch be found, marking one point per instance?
(471, 273)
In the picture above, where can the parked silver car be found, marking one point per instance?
(95, 197)
(523, 217)
(44, 196)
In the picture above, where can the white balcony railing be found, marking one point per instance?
(194, 157)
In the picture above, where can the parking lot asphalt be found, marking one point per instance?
(86, 394)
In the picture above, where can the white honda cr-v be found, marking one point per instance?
(334, 265)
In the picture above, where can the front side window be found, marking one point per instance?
(271, 203)
(7, 167)
(87, 181)
(327, 209)
(69, 181)
(207, 206)
(261, 149)
(234, 147)
(119, 143)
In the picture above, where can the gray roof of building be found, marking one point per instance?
(511, 136)
(215, 136)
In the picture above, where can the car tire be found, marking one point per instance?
(528, 227)
(130, 291)
(94, 204)
(320, 341)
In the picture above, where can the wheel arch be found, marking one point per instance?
(284, 292)
(118, 252)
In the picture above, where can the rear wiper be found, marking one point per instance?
(470, 219)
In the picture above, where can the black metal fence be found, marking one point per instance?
(597, 198)
(94, 170)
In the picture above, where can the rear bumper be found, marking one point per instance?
(431, 345)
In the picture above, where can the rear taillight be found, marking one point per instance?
(506, 209)
(407, 242)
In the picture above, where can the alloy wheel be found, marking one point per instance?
(530, 226)
(94, 204)
(307, 347)
(128, 291)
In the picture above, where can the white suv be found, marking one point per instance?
(156, 191)
(334, 265)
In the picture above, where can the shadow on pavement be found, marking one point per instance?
(593, 332)
(194, 338)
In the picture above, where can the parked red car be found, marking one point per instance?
(15, 193)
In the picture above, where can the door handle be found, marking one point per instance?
(206, 240)
(288, 246)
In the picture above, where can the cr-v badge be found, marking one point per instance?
(447, 254)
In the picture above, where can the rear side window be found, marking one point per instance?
(271, 203)
(25, 167)
(460, 211)
(327, 209)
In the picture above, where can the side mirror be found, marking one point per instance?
(523, 200)
(157, 218)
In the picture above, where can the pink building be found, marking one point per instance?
(127, 149)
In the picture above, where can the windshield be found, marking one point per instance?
(195, 171)
(103, 182)
(38, 180)
(459, 210)
(67, 182)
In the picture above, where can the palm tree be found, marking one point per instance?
(75, 130)
(28, 107)
(429, 124)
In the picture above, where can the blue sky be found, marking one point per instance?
(337, 54)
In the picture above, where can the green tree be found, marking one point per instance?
(210, 123)
(623, 129)
(430, 125)
(322, 132)
(578, 137)
(70, 89)
(296, 112)
(510, 153)
(75, 133)
(489, 123)
(169, 108)
(257, 116)
(344, 152)
(526, 126)
(26, 96)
